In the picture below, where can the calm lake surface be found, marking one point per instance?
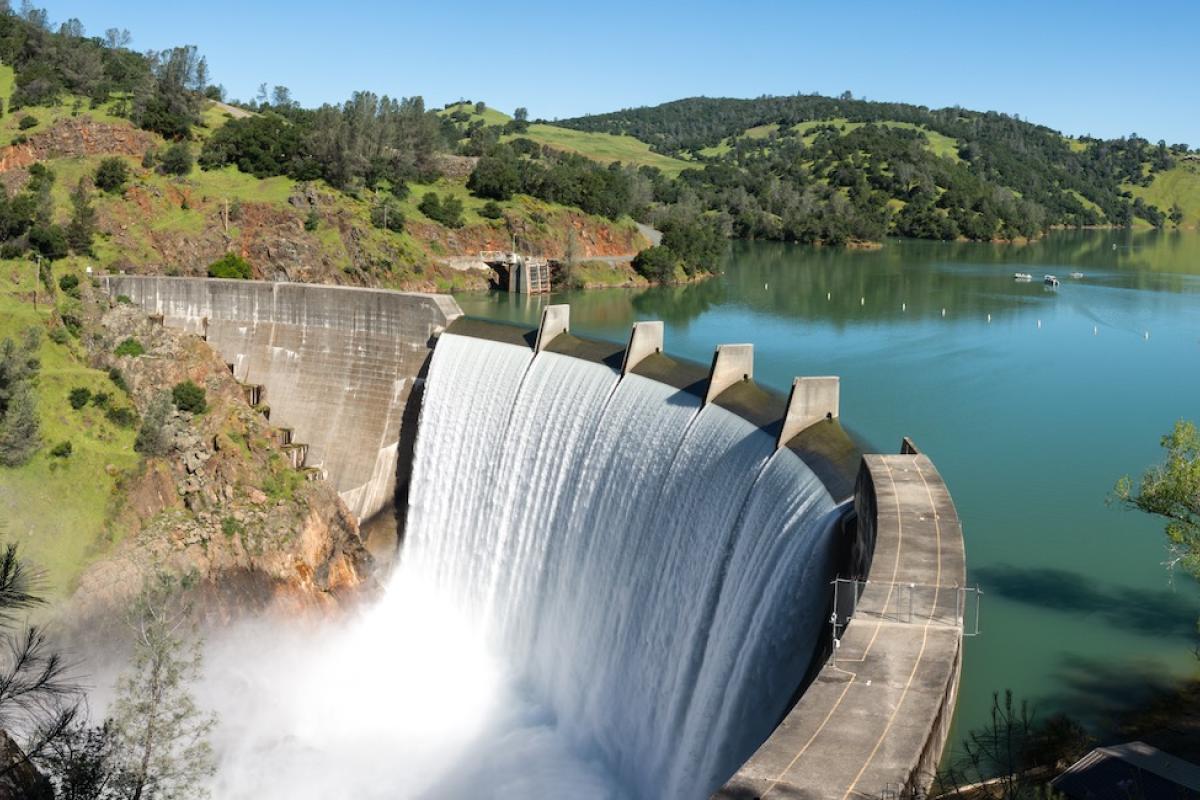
(1031, 402)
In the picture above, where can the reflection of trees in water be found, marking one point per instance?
(914, 280)
(679, 304)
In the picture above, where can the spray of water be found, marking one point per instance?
(606, 591)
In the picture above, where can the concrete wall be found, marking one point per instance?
(874, 721)
(338, 364)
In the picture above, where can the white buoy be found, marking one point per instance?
(862, 301)
(989, 317)
(829, 295)
(1146, 336)
(1039, 324)
(764, 287)
(904, 306)
(1095, 330)
(943, 312)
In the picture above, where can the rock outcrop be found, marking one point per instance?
(222, 504)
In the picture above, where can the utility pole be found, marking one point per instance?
(37, 278)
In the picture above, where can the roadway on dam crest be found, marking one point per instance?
(874, 721)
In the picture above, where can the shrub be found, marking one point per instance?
(312, 221)
(26, 122)
(189, 397)
(121, 416)
(10, 250)
(177, 160)
(72, 323)
(129, 347)
(80, 396)
(231, 527)
(50, 241)
(100, 399)
(445, 210)
(118, 379)
(387, 216)
(124, 299)
(152, 436)
(62, 450)
(491, 210)
(69, 284)
(150, 158)
(656, 264)
(230, 265)
(59, 335)
(20, 138)
(111, 175)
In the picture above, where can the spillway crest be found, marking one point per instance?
(654, 571)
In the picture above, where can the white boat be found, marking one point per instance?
(1050, 280)
(1076, 275)
(1023, 277)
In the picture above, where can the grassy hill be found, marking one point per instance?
(56, 508)
(1180, 184)
(603, 147)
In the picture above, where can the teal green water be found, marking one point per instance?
(1032, 403)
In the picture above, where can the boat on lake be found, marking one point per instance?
(1076, 275)
(1023, 277)
(1050, 280)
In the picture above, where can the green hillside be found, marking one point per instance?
(1177, 185)
(56, 508)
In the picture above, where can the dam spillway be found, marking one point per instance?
(630, 550)
(648, 544)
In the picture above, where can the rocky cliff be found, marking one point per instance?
(221, 503)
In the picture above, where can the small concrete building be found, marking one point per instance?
(1130, 770)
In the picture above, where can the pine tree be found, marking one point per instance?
(19, 430)
(83, 220)
(161, 734)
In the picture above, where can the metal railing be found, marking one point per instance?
(908, 603)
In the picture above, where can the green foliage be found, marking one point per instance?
(19, 424)
(59, 335)
(230, 265)
(187, 396)
(697, 242)
(160, 731)
(152, 438)
(27, 121)
(656, 264)
(118, 379)
(386, 215)
(491, 210)
(124, 299)
(231, 527)
(129, 347)
(176, 160)
(20, 428)
(446, 210)
(80, 396)
(82, 228)
(101, 399)
(1171, 490)
(62, 450)
(69, 284)
(312, 221)
(50, 241)
(112, 175)
(121, 416)
(496, 176)
(262, 145)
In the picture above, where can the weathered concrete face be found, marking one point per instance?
(338, 364)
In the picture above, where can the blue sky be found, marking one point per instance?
(1104, 68)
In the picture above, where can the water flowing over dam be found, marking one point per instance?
(631, 553)
(620, 575)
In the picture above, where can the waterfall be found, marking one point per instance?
(652, 573)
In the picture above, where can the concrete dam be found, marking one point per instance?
(707, 587)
